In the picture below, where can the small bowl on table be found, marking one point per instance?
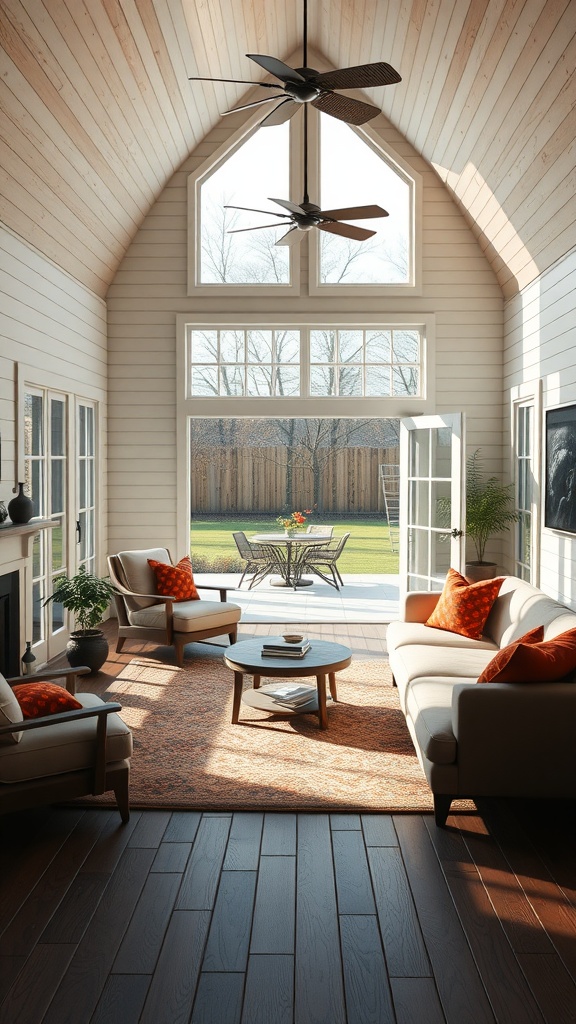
(292, 638)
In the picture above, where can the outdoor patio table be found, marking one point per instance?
(292, 549)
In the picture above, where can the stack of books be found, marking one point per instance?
(292, 694)
(278, 648)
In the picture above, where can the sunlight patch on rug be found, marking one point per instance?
(187, 754)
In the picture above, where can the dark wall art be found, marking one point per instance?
(560, 500)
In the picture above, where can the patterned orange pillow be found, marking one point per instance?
(39, 699)
(175, 580)
(500, 660)
(464, 607)
(536, 663)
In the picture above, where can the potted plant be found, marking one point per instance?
(489, 511)
(87, 597)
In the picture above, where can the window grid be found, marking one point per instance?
(349, 362)
(523, 531)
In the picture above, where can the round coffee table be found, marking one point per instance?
(323, 660)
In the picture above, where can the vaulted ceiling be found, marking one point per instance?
(96, 110)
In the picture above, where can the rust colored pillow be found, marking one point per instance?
(464, 607)
(535, 663)
(500, 660)
(39, 699)
(175, 580)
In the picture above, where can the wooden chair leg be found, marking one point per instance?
(122, 794)
(179, 649)
(120, 643)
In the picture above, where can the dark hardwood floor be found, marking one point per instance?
(249, 918)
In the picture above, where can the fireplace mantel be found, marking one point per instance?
(26, 531)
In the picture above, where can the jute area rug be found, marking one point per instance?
(188, 755)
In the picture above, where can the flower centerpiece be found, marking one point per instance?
(293, 522)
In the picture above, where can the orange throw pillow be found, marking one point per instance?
(39, 699)
(500, 660)
(464, 607)
(175, 580)
(535, 663)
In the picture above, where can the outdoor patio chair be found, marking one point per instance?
(321, 559)
(144, 614)
(261, 559)
(320, 529)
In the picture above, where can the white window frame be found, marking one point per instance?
(528, 394)
(413, 286)
(301, 257)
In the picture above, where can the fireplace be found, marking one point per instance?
(10, 624)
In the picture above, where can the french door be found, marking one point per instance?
(432, 500)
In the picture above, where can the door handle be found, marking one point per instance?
(78, 532)
(456, 533)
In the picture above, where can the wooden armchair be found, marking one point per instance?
(143, 614)
(59, 757)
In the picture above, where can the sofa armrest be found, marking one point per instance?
(515, 739)
(419, 605)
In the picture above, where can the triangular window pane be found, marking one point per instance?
(353, 174)
(257, 169)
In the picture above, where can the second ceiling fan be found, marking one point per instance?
(307, 215)
(305, 85)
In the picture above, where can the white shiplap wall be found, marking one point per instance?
(149, 290)
(52, 334)
(540, 328)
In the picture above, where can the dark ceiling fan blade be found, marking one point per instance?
(246, 106)
(345, 108)
(355, 213)
(365, 76)
(292, 236)
(347, 230)
(233, 81)
(283, 112)
(251, 209)
(257, 227)
(287, 205)
(276, 67)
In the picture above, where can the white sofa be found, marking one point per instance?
(489, 739)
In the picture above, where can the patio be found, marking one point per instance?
(364, 598)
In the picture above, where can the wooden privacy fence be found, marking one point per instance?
(258, 480)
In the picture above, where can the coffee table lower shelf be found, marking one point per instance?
(260, 699)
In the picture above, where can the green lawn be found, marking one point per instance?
(367, 550)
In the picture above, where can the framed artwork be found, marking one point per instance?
(560, 485)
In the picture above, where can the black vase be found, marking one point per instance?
(21, 508)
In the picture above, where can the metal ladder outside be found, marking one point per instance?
(390, 480)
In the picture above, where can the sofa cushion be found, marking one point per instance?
(429, 706)
(64, 746)
(464, 607)
(520, 607)
(401, 634)
(501, 659)
(525, 662)
(10, 712)
(175, 580)
(40, 699)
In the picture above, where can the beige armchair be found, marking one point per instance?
(58, 757)
(143, 614)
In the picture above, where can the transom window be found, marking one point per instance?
(310, 362)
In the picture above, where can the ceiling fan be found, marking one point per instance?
(305, 85)
(307, 215)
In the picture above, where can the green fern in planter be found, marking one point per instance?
(489, 505)
(85, 595)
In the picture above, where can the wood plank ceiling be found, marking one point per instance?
(96, 110)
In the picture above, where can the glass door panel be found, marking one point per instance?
(432, 500)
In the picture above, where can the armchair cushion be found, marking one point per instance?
(175, 580)
(39, 699)
(188, 615)
(10, 712)
(64, 746)
(139, 575)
